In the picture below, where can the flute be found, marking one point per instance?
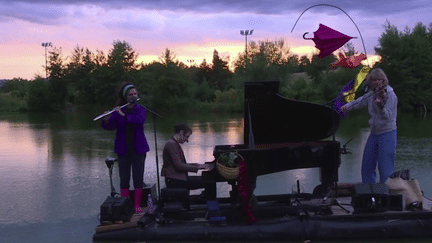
(106, 114)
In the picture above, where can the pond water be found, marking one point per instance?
(54, 179)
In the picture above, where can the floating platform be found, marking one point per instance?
(279, 217)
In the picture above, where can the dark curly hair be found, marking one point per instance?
(121, 100)
(182, 126)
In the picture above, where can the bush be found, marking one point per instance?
(300, 90)
(9, 102)
(38, 98)
(231, 100)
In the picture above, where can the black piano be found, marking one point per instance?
(283, 134)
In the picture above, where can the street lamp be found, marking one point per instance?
(191, 62)
(246, 33)
(46, 44)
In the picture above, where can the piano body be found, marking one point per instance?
(282, 134)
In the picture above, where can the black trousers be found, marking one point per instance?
(194, 182)
(136, 163)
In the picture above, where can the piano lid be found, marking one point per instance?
(276, 119)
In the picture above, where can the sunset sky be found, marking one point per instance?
(192, 29)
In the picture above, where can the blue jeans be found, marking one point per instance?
(380, 149)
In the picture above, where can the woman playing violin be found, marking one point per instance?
(381, 102)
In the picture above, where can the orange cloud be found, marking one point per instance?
(304, 50)
(194, 54)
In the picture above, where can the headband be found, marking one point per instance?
(126, 88)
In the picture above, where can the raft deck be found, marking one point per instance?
(279, 219)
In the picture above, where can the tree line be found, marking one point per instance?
(91, 78)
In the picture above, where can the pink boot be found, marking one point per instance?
(124, 193)
(138, 196)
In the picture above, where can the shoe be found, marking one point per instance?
(137, 199)
(124, 193)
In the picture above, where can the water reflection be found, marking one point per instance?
(52, 165)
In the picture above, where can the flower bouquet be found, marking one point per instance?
(227, 165)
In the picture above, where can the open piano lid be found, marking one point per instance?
(276, 119)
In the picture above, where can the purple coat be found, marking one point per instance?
(116, 121)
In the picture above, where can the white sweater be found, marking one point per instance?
(381, 120)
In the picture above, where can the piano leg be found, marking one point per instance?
(235, 196)
(329, 176)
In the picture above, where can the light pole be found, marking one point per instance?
(246, 33)
(46, 44)
(191, 62)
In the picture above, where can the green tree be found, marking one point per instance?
(79, 71)
(349, 49)
(17, 87)
(294, 63)
(204, 72)
(122, 57)
(406, 57)
(120, 67)
(318, 67)
(303, 63)
(267, 60)
(38, 98)
(220, 72)
(172, 86)
(201, 76)
(204, 92)
(57, 86)
(168, 58)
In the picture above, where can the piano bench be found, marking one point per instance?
(179, 195)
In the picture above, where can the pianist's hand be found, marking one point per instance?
(206, 166)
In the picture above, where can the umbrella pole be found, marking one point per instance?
(329, 5)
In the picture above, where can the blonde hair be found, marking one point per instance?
(377, 73)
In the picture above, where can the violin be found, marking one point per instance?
(380, 100)
(382, 93)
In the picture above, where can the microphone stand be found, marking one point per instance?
(156, 150)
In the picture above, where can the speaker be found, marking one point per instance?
(116, 209)
(370, 198)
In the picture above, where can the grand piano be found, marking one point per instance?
(283, 134)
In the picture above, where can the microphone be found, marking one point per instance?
(133, 99)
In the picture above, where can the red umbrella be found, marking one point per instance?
(328, 40)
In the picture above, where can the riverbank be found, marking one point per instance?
(10, 102)
(229, 101)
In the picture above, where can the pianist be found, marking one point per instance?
(175, 169)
